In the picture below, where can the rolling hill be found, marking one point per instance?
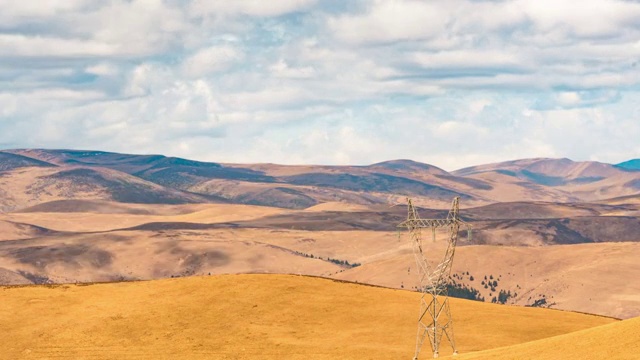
(15, 231)
(270, 185)
(611, 341)
(263, 316)
(10, 161)
(26, 187)
(297, 187)
(568, 180)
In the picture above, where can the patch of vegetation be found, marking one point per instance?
(538, 303)
(503, 297)
(463, 292)
(345, 263)
(541, 302)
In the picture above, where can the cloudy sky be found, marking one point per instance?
(451, 83)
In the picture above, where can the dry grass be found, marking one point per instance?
(249, 316)
(613, 341)
(337, 206)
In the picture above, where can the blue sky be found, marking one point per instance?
(452, 83)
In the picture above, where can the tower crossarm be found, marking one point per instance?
(431, 223)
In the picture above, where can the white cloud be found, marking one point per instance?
(569, 99)
(210, 60)
(102, 69)
(282, 69)
(12, 45)
(591, 18)
(478, 106)
(450, 82)
(389, 21)
(15, 12)
(471, 59)
(249, 7)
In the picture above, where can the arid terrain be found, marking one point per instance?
(277, 317)
(547, 233)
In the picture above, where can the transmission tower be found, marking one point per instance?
(435, 316)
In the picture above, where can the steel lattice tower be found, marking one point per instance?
(434, 320)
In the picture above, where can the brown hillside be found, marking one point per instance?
(25, 187)
(14, 231)
(593, 278)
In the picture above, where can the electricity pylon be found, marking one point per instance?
(435, 316)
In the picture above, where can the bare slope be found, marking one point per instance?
(9, 161)
(555, 179)
(548, 171)
(249, 316)
(593, 278)
(119, 255)
(10, 230)
(24, 187)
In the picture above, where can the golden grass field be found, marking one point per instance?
(271, 317)
(618, 341)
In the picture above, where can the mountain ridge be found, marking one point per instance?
(301, 186)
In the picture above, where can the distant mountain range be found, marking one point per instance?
(33, 176)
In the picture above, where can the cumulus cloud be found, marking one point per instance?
(453, 82)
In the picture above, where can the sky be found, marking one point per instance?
(452, 83)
